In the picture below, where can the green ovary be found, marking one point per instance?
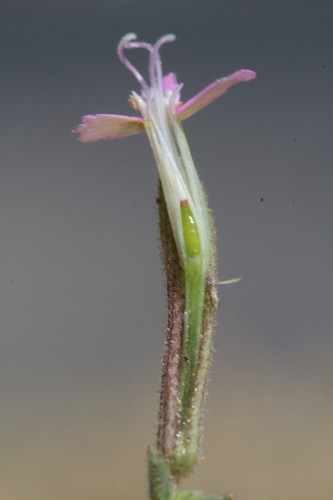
(190, 230)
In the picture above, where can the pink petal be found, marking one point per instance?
(212, 92)
(96, 127)
(169, 82)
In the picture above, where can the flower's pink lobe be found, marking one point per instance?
(169, 82)
(96, 127)
(212, 92)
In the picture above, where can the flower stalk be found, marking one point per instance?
(187, 244)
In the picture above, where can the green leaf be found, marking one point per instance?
(199, 495)
(160, 487)
(188, 495)
(220, 497)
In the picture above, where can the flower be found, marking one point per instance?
(187, 249)
(161, 114)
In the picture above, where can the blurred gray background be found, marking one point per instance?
(81, 297)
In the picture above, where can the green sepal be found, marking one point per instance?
(160, 487)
